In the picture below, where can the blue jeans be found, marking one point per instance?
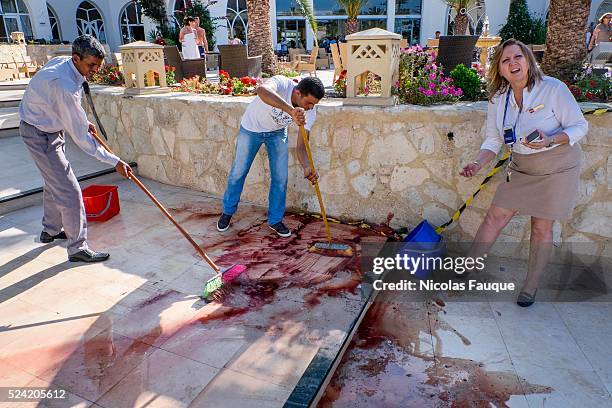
(247, 146)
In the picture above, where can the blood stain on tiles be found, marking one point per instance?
(386, 365)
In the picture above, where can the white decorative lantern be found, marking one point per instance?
(376, 51)
(141, 61)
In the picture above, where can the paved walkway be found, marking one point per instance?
(19, 172)
(133, 331)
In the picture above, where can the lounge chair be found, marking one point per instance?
(236, 62)
(454, 50)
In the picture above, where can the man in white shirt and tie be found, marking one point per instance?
(51, 106)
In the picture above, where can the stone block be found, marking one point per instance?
(334, 182)
(364, 184)
(404, 177)
(424, 139)
(595, 219)
(435, 214)
(353, 167)
(441, 195)
(394, 149)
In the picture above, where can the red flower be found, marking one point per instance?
(575, 90)
(166, 67)
(245, 80)
(226, 90)
(295, 80)
(592, 83)
(173, 69)
(589, 96)
(253, 81)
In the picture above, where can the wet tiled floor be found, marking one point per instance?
(478, 354)
(133, 332)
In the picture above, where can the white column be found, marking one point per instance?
(309, 34)
(497, 11)
(433, 18)
(219, 9)
(39, 19)
(391, 15)
(273, 23)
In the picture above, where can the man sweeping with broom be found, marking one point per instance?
(278, 103)
(51, 106)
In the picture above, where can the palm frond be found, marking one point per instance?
(352, 7)
(459, 4)
(308, 14)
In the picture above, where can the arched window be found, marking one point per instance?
(604, 7)
(237, 20)
(476, 15)
(56, 33)
(132, 28)
(89, 21)
(15, 17)
(178, 13)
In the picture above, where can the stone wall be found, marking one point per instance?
(372, 161)
(39, 52)
(8, 51)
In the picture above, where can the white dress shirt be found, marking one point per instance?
(52, 102)
(549, 107)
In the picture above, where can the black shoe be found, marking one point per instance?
(87, 255)
(281, 230)
(525, 299)
(224, 222)
(45, 237)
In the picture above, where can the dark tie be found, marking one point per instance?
(93, 108)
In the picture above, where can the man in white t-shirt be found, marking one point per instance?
(279, 102)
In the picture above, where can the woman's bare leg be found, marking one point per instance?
(492, 225)
(540, 248)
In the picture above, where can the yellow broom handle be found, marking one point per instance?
(316, 183)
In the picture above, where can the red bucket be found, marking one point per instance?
(101, 202)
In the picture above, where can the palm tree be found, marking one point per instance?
(565, 48)
(461, 19)
(352, 8)
(259, 34)
(308, 14)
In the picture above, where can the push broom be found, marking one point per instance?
(222, 276)
(328, 248)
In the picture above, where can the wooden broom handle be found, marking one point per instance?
(164, 211)
(316, 183)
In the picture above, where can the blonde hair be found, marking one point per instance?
(604, 16)
(497, 84)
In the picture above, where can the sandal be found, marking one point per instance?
(525, 299)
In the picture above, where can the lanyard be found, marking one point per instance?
(506, 111)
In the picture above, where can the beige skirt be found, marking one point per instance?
(542, 185)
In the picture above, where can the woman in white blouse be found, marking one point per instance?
(542, 177)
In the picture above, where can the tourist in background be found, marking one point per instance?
(188, 36)
(602, 32)
(543, 175)
(202, 41)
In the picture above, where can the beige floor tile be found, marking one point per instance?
(570, 388)
(233, 389)
(214, 346)
(163, 380)
(97, 363)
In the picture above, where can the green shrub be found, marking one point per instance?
(521, 26)
(468, 80)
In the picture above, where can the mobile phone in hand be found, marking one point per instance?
(533, 136)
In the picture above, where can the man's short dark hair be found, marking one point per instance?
(86, 45)
(311, 86)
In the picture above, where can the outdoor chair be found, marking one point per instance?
(235, 60)
(184, 68)
(601, 55)
(7, 72)
(294, 52)
(308, 62)
(454, 50)
(322, 59)
(538, 51)
(338, 66)
(24, 64)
